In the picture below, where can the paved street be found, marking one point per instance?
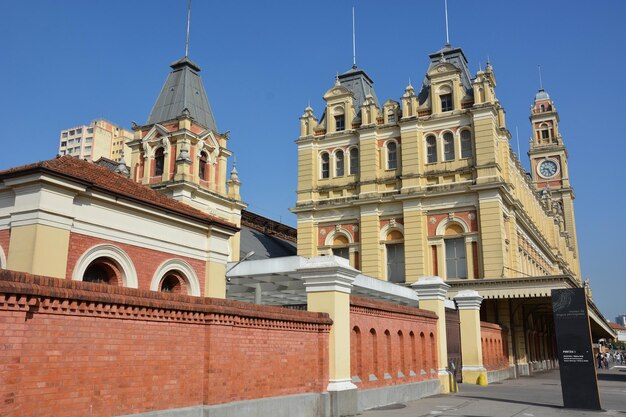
(536, 396)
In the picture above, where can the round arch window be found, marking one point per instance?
(172, 283)
(102, 271)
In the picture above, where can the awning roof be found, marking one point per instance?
(531, 287)
(278, 281)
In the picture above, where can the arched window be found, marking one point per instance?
(456, 256)
(445, 96)
(431, 149)
(172, 282)
(448, 146)
(354, 161)
(466, 144)
(394, 249)
(340, 246)
(176, 276)
(159, 162)
(106, 263)
(102, 271)
(392, 155)
(339, 171)
(202, 166)
(325, 168)
(544, 132)
(340, 119)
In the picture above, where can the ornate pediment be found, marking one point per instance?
(337, 91)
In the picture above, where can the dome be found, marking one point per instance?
(542, 95)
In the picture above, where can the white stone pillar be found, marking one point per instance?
(328, 281)
(432, 293)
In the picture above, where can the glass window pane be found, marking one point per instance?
(395, 262)
(339, 164)
(448, 147)
(456, 262)
(354, 161)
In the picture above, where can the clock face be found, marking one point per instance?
(548, 168)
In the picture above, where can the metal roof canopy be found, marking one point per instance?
(278, 281)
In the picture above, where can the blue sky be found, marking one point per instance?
(65, 63)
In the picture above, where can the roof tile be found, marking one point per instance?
(112, 183)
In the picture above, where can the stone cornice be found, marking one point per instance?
(519, 287)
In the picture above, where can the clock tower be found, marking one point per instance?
(548, 164)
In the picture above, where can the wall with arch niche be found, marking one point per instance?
(391, 344)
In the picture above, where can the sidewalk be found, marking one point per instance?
(535, 396)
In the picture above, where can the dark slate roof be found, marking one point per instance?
(357, 81)
(360, 84)
(265, 246)
(454, 56)
(183, 89)
(266, 237)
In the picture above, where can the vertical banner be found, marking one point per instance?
(579, 381)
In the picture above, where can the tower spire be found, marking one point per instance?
(188, 20)
(447, 33)
(353, 41)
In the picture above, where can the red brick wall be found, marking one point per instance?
(73, 348)
(5, 236)
(146, 261)
(387, 339)
(494, 340)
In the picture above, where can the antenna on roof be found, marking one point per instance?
(447, 34)
(188, 19)
(540, 80)
(353, 41)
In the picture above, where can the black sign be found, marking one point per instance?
(579, 381)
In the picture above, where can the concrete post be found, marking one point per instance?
(432, 292)
(473, 370)
(328, 282)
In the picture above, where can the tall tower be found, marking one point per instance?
(180, 153)
(548, 162)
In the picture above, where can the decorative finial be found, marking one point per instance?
(234, 175)
(540, 78)
(121, 166)
(353, 41)
(442, 58)
(188, 20)
(480, 67)
(410, 82)
(337, 83)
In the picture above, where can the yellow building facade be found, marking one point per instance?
(430, 186)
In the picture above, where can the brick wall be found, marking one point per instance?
(73, 348)
(146, 261)
(391, 344)
(5, 236)
(494, 341)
